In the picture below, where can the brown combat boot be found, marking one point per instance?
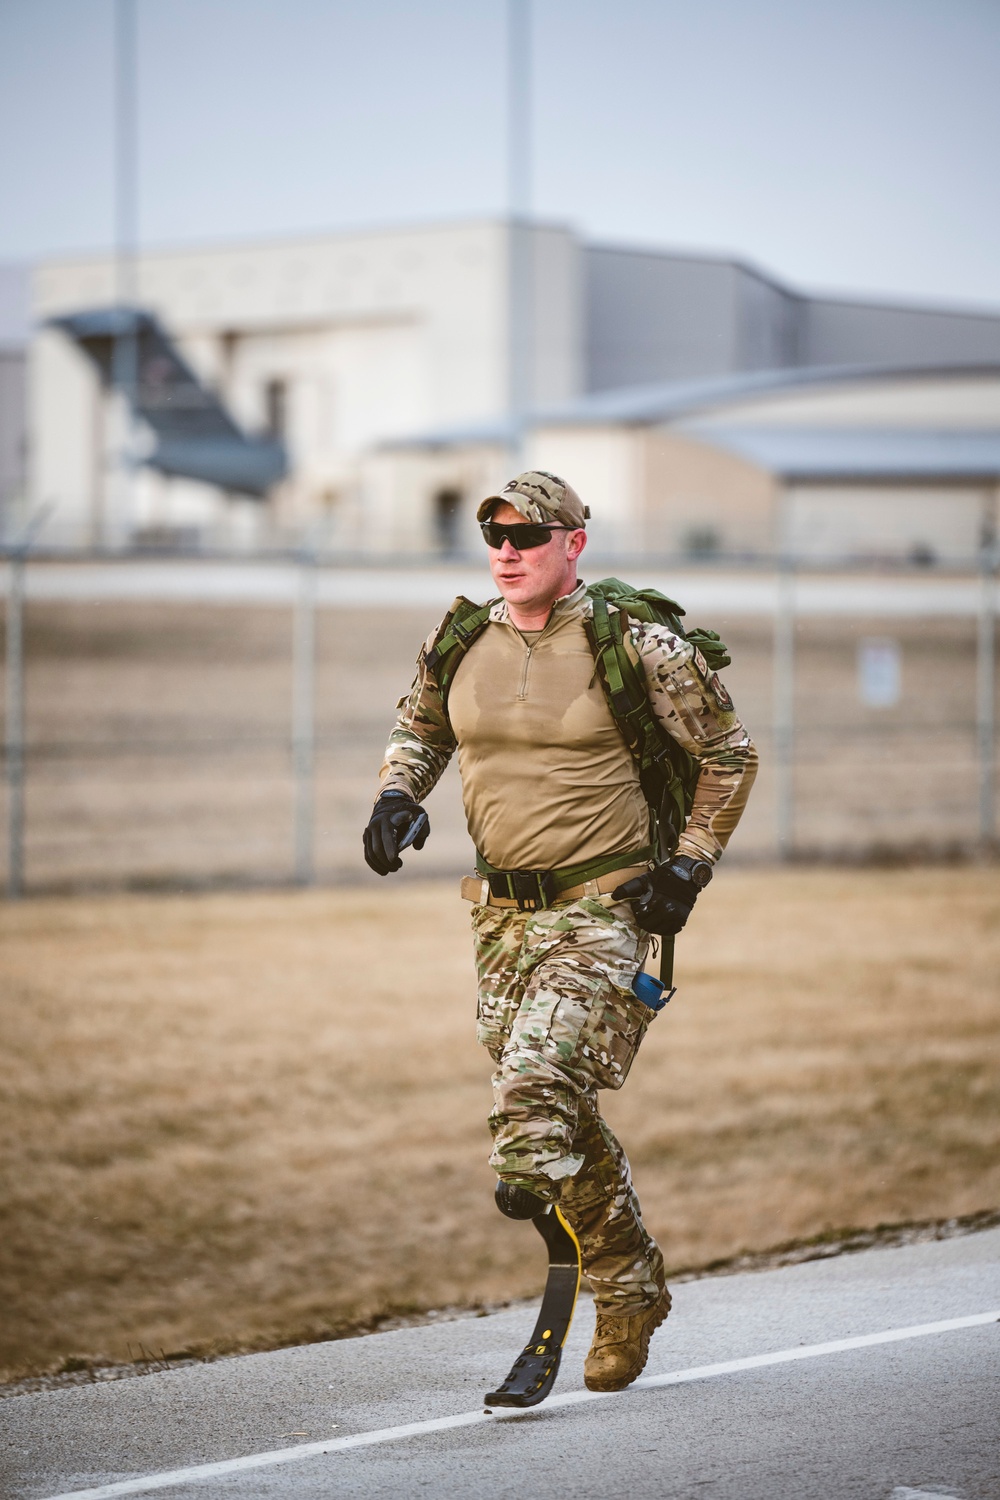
(621, 1346)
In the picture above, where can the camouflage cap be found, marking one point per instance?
(540, 497)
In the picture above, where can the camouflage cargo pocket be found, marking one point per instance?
(611, 1036)
(579, 961)
(588, 1027)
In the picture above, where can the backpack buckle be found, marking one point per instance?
(533, 890)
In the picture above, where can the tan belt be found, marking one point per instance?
(476, 889)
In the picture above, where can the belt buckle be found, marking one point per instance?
(533, 890)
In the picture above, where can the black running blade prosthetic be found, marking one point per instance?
(534, 1371)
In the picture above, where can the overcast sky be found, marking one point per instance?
(840, 143)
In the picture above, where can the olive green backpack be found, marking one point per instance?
(667, 772)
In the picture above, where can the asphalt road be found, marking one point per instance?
(868, 1375)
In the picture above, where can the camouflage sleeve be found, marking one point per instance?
(694, 708)
(421, 744)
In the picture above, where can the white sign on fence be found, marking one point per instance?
(880, 671)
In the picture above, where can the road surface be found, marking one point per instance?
(873, 1375)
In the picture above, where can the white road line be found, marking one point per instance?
(473, 1418)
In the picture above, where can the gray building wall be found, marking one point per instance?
(13, 433)
(653, 317)
(768, 331)
(15, 304)
(836, 332)
(14, 331)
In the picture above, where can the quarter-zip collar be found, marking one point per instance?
(569, 604)
(568, 607)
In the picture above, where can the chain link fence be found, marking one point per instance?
(185, 724)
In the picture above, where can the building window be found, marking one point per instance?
(447, 520)
(276, 408)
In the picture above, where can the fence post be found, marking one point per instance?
(304, 721)
(14, 735)
(784, 689)
(986, 698)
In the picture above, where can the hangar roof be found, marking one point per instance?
(678, 402)
(830, 453)
(653, 404)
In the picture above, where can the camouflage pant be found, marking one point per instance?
(557, 1013)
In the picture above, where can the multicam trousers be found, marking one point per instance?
(557, 1012)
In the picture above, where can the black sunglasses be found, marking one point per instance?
(521, 537)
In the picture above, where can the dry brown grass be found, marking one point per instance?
(235, 1120)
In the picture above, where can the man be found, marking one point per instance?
(550, 786)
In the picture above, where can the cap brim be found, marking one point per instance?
(486, 508)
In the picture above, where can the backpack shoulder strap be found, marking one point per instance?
(667, 772)
(624, 682)
(462, 625)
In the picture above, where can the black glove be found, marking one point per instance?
(663, 899)
(396, 823)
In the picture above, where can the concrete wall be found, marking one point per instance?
(403, 490)
(896, 520)
(557, 316)
(670, 491)
(654, 491)
(449, 281)
(371, 336)
(888, 522)
(700, 502)
(604, 464)
(70, 436)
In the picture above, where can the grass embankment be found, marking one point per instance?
(234, 1121)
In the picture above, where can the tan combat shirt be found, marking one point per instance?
(547, 779)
